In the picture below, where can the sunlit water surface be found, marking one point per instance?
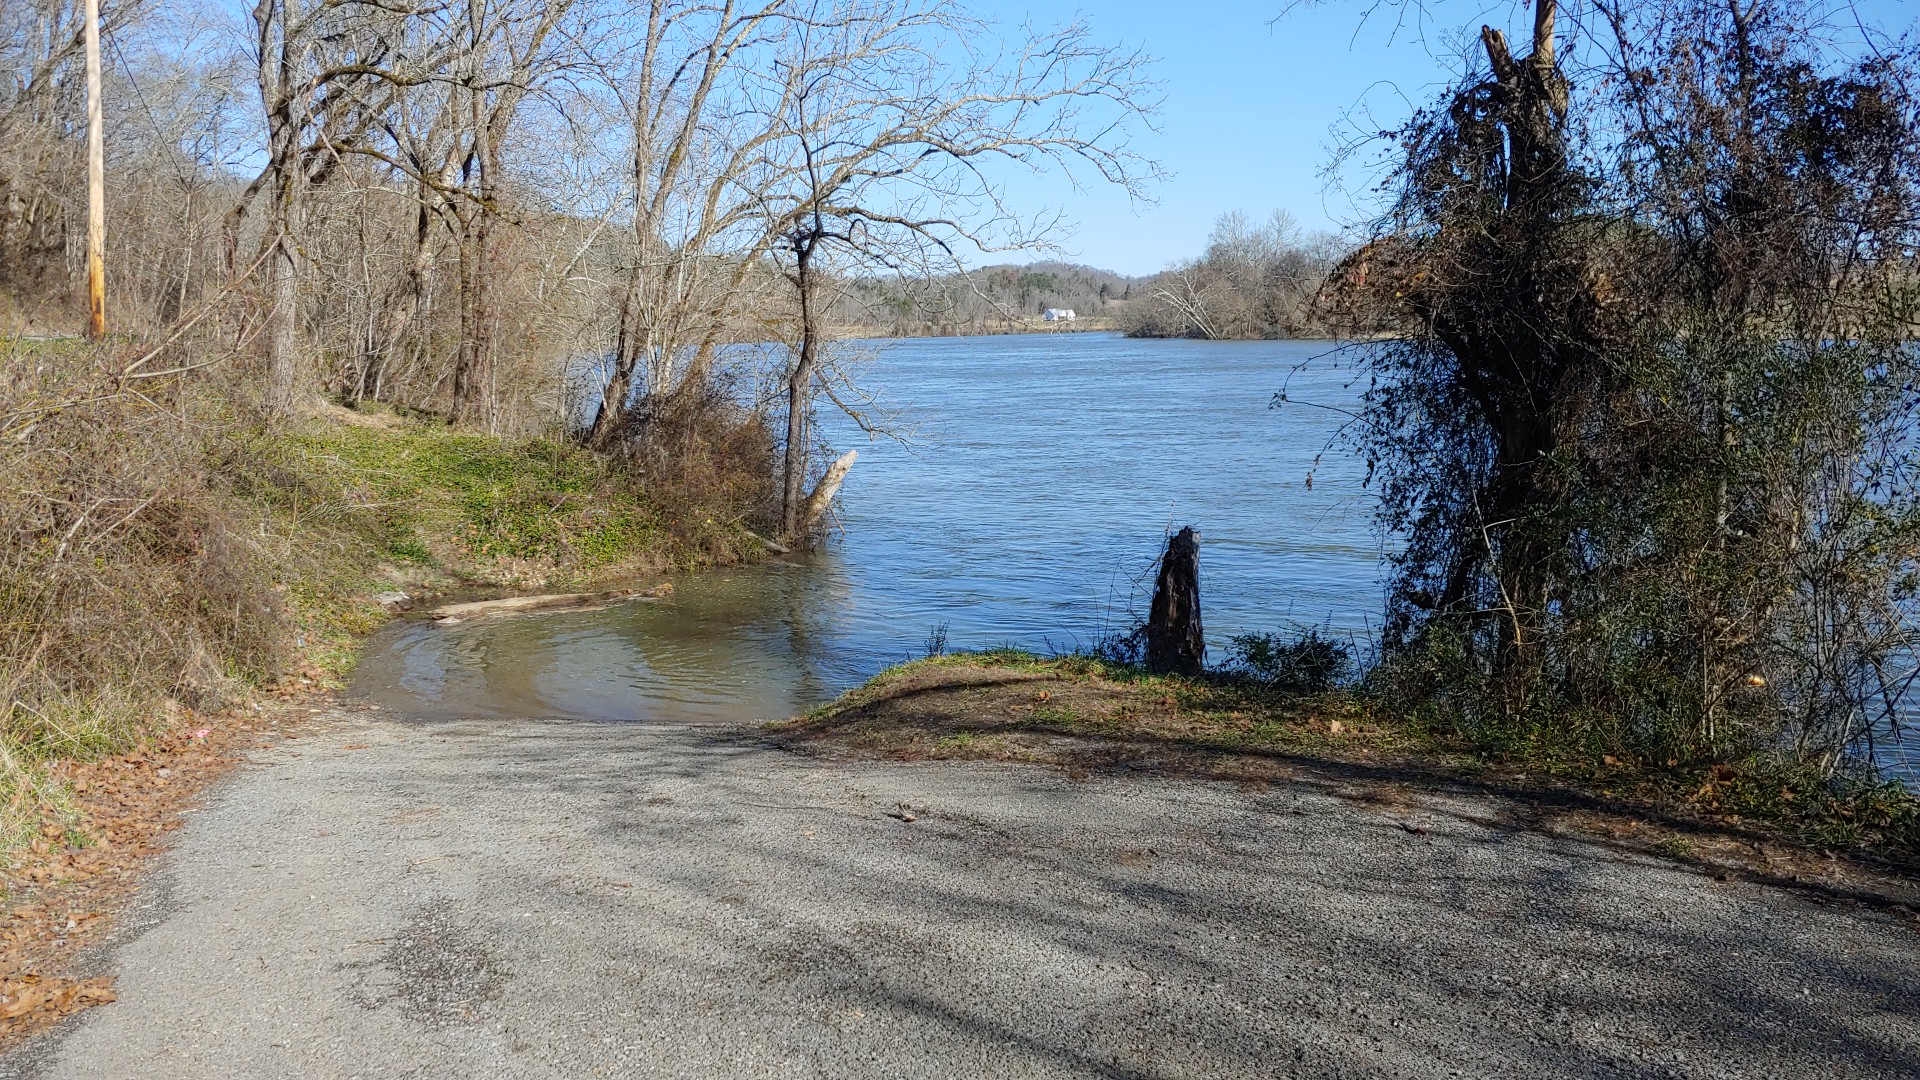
(1041, 478)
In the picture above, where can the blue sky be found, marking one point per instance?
(1250, 104)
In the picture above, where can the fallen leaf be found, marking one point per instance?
(356, 746)
(22, 1001)
(93, 991)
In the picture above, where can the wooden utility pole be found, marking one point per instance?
(96, 185)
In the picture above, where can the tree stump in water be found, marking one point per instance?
(1176, 645)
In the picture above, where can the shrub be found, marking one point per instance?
(1305, 662)
(1123, 648)
(1642, 387)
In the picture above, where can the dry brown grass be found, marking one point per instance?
(1082, 712)
(162, 545)
(132, 573)
(707, 464)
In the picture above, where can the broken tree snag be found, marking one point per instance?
(824, 492)
(1176, 645)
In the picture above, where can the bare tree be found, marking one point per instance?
(889, 130)
(42, 170)
(506, 56)
(1252, 281)
(682, 91)
(327, 75)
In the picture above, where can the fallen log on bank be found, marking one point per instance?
(512, 605)
(776, 548)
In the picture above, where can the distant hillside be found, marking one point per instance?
(989, 300)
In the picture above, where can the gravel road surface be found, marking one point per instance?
(385, 898)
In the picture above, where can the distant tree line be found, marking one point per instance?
(1254, 280)
(987, 300)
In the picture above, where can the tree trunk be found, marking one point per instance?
(287, 173)
(477, 263)
(1176, 643)
(283, 359)
(401, 308)
(470, 366)
(826, 489)
(799, 382)
(619, 386)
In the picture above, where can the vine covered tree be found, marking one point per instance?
(1647, 422)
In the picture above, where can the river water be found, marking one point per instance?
(1039, 480)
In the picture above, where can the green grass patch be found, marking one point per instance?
(431, 493)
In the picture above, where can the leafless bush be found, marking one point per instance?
(702, 455)
(129, 573)
(1253, 281)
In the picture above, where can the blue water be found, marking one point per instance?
(1046, 472)
(1033, 484)
(1030, 489)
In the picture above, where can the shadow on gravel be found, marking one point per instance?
(1163, 929)
(1503, 804)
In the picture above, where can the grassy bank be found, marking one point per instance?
(390, 501)
(164, 555)
(1084, 713)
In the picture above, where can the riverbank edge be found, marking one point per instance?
(106, 816)
(1088, 717)
(67, 900)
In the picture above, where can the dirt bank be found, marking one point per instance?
(1086, 717)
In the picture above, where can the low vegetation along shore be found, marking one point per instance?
(1762, 820)
(195, 565)
(182, 577)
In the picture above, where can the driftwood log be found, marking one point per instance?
(513, 605)
(1176, 644)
